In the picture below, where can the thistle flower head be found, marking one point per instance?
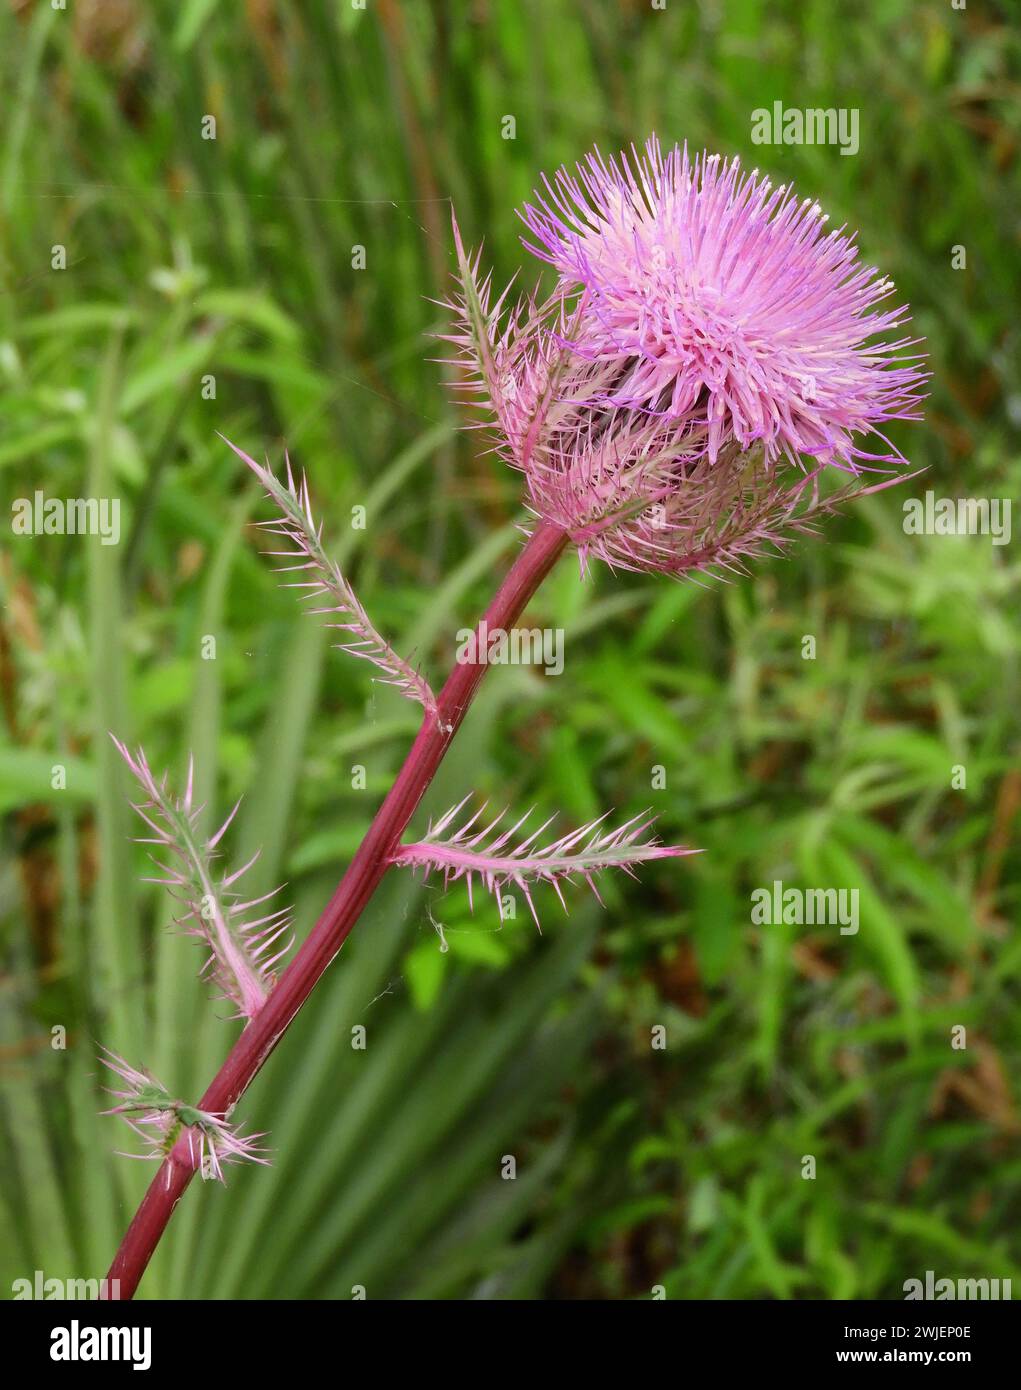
(722, 301)
(160, 1121)
(707, 352)
(241, 955)
(481, 848)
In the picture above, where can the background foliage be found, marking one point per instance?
(337, 129)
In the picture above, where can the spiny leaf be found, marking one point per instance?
(160, 1121)
(238, 944)
(324, 580)
(585, 852)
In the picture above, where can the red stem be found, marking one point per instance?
(363, 875)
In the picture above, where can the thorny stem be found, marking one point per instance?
(363, 876)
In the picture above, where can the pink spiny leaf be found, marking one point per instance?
(321, 579)
(239, 964)
(499, 860)
(160, 1121)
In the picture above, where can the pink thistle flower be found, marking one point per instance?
(161, 1122)
(239, 964)
(719, 301)
(477, 849)
(703, 332)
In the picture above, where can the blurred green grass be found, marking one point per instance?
(190, 258)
